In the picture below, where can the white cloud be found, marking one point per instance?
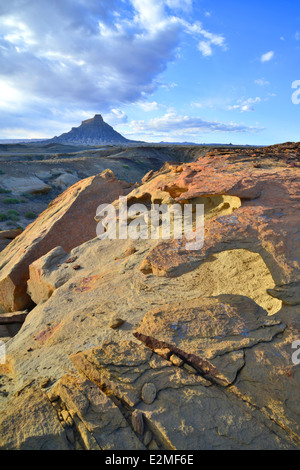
(205, 48)
(172, 124)
(185, 5)
(297, 36)
(167, 86)
(115, 117)
(148, 106)
(9, 96)
(89, 54)
(267, 56)
(196, 104)
(245, 105)
(261, 82)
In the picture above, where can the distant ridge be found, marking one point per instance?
(94, 131)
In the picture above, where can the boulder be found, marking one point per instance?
(29, 185)
(10, 234)
(45, 275)
(7, 235)
(13, 317)
(67, 222)
(64, 181)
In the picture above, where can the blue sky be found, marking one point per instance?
(157, 70)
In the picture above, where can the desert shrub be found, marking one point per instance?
(13, 215)
(3, 217)
(28, 196)
(30, 215)
(126, 166)
(11, 200)
(12, 212)
(4, 191)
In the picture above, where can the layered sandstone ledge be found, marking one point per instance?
(146, 345)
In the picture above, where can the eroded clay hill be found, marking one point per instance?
(143, 344)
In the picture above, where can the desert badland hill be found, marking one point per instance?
(92, 132)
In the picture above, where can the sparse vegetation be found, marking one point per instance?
(12, 212)
(27, 195)
(30, 215)
(13, 215)
(4, 191)
(11, 200)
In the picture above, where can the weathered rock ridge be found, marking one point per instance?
(143, 344)
(68, 222)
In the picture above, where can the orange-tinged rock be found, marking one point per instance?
(45, 276)
(265, 221)
(67, 222)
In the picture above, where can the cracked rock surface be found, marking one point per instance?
(202, 358)
(210, 333)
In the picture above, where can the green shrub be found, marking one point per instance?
(13, 215)
(12, 212)
(11, 200)
(4, 191)
(30, 215)
(28, 196)
(3, 217)
(126, 166)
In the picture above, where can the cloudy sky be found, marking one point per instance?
(157, 70)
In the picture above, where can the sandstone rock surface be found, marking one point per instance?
(68, 222)
(210, 334)
(187, 413)
(32, 424)
(212, 331)
(31, 185)
(93, 416)
(65, 180)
